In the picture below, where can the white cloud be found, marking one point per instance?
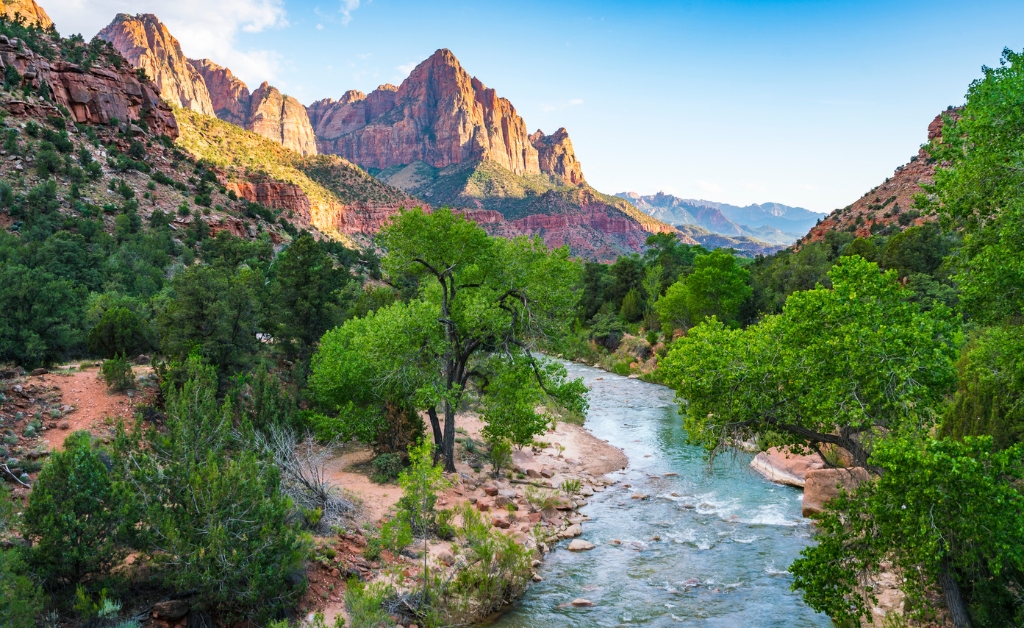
(708, 187)
(205, 28)
(573, 102)
(319, 27)
(406, 68)
(347, 7)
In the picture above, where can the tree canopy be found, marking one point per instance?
(836, 366)
(481, 305)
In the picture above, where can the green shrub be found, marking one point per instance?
(216, 509)
(373, 549)
(117, 373)
(365, 604)
(386, 468)
(77, 515)
(500, 456)
(119, 332)
(21, 600)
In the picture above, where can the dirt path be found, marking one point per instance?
(93, 407)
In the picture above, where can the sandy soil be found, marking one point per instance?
(91, 402)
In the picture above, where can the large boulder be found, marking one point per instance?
(823, 485)
(779, 465)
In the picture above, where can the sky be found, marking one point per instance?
(808, 103)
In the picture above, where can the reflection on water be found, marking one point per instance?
(709, 547)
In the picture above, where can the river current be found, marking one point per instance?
(708, 547)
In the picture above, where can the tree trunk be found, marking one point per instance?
(435, 426)
(448, 442)
(954, 600)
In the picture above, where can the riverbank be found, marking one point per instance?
(536, 503)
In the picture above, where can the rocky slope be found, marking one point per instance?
(28, 9)
(96, 95)
(440, 116)
(887, 204)
(229, 95)
(146, 43)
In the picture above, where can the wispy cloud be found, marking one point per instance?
(708, 187)
(204, 28)
(573, 102)
(347, 7)
(406, 68)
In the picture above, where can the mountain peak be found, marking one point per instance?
(146, 43)
(28, 9)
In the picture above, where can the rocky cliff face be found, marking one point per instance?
(556, 156)
(282, 119)
(93, 96)
(441, 116)
(228, 94)
(145, 42)
(28, 9)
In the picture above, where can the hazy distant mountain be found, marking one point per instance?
(772, 223)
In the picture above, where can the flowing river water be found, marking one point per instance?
(726, 534)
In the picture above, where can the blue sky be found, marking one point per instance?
(806, 103)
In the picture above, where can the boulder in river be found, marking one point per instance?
(779, 465)
(579, 545)
(823, 485)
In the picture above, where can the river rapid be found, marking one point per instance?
(708, 547)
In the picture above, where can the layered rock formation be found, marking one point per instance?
(146, 43)
(280, 118)
(28, 9)
(441, 116)
(556, 156)
(228, 94)
(96, 96)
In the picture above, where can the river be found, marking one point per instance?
(708, 547)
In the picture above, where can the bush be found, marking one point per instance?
(500, 456)
(117, 373)
(21, 600)
(119, 332)
(216, 509)
(386, 468)
(77, 515)
(365, 604)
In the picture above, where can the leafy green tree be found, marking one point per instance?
(40, 316)
(214, 313)
(917, 250)
(716, 287)
(479, 297)
(977, 188)
(652, 292)
(837, 366)
(217, 521)
(119, 332)
(990, 394)
(513, 393)
(632, 307)
(78, 515)
(943, 513)
(21, 600)
(372, 373)
(307, 297)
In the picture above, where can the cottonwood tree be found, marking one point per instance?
(838, 367)
(943, 512)
(482, 305)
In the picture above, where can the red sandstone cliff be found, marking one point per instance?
(146, 43)
(228, 94)
(28, 9)
(94, 96)
(266, 111)
(557, 157)
(442, 116)
(282, 119)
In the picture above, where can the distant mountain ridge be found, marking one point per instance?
(772, 223)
